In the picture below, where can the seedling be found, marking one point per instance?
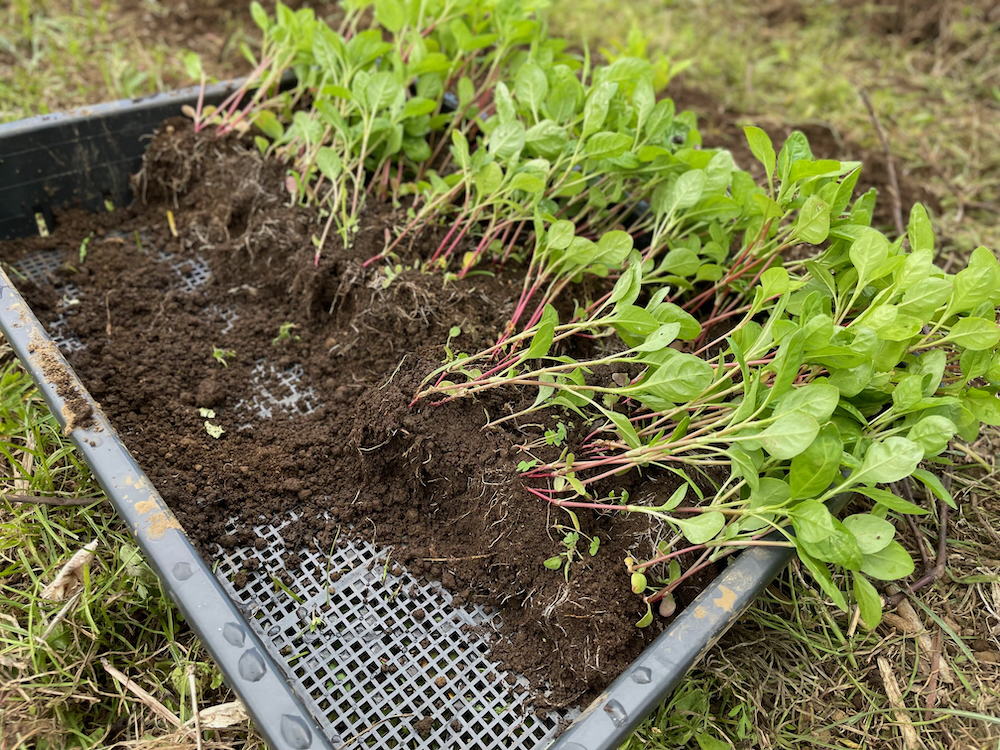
(285, 334)
(214, 430)
(222, 356)
(569, 541)
(83, 248)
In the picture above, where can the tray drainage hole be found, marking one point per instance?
(642, 675)
(251, 666)
(617, 713)
(182, 571)
(234, 634)
(295, 732)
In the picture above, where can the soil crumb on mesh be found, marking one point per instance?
(319, 422)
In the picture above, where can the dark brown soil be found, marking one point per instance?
(426, 481)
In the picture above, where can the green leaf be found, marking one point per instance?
(595, 110)
(891, 500)
(546, 139)
(390, 14)
(932, 483)
(760, 146)
(460, 148)
(889, 461)
(488, 179)
(531, 86)
(824, 537)
(561, 234)
(908, 393)
(790, 435)
(813, 224)
(708, 742)
(821, 574)
(527, 183)
(932, 433)
(269, 125)
(815, 469)
(889, 564)
(192, 65)
(507, 140)
(919, 232)
(553, 563)
(679, 379)
(328, 161)
(872, 534)
(541, 342)
(504, 103)
(743, 466)
(868, 601)
(613, 248)
(702, 527)
(625, 427)
(416, 107)
(922, 299)
(629, 285)
(985, 406)
(774, 281)
(260, 16)
(660, 338)
(466, 92)
(383, 90)
(974, 333)
(607, 145)
(818, 400)
(973, 286)
(688, 189)
(646, 619)
(867, 253)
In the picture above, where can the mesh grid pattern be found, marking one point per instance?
(278, 392)
(39, 268)
(374, 653)
(193, 272)
(380, 660)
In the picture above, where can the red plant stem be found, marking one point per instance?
(513, 243)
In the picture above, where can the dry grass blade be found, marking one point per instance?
(910, 738)
(154, 705)
(53, 501)
(70, 578)
(194, 705)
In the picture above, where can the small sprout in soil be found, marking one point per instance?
(285, 334)
(213, 430)
(83, 248)
(222, 355)
(524, 466)
(171, 223)
(556, 436)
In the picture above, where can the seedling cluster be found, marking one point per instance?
(764, 333)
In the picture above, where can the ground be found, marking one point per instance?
(794, 672)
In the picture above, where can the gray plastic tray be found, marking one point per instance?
(349, 663)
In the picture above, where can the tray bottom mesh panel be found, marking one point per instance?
(381, 656)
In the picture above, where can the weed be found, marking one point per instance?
(285, 334)
(222, 356)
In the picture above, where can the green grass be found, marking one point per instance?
(55, 691)
(793, 673)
